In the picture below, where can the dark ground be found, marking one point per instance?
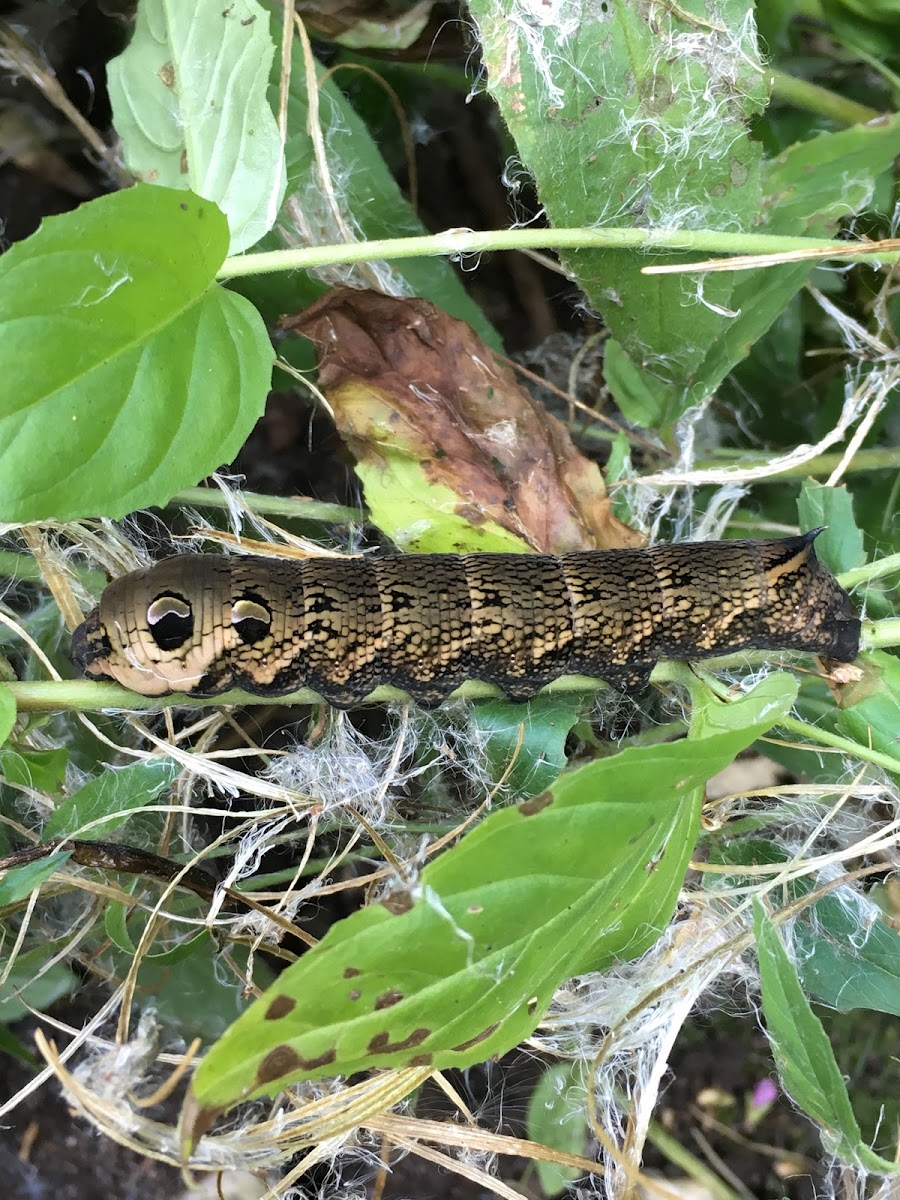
(44, 1151)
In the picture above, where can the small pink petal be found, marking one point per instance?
(764, 1094)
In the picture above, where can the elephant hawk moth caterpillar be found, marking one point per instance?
(426, 623)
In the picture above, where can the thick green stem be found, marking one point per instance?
(466, 241)
(815, 99)
(878, 634)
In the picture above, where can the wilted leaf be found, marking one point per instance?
(40, 769)
(32, 984)
(557, 1117)
(452, 451)
(189, 98)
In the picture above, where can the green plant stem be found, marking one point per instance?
(824, 737)
(274, 506)
(878, 634)
(465, 241)
(869, 571)
(878, 458)
(815, 99)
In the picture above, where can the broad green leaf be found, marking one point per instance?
(636, 115)
(189, 100)
(114, 329)
(840, 544)
(557, 1117)
(844, 956)
(21, 881)
(25, 983)
(369, 202)
(803, 1054)
(463, 966)
(807, 190)
(870, 707)
(771, 699)
(7, 713)
(43, 770)
(531, 737)
(848, 961)
(114, 794)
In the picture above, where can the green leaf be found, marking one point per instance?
(24, 984)
(422, 515)
(21, 881)
(846, 956)
(369, 200)
(806, 190)
(803, 1054)
(771, 699)
(530, 736)
(870, 707)
(7, 713)
(557, 1117)
(840, 544)
(10, 1044)
(189, 100)
(114, 794)
(113, 326)
(848, 959)
(43, 770)
(634, 116)
(464, 965)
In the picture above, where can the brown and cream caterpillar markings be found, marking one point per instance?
(428, 622)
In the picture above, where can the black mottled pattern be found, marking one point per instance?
(426, 623)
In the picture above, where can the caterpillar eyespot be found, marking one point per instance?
(428, 622)
(170, 621)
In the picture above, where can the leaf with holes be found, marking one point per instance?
(189, 100)
(463, 964)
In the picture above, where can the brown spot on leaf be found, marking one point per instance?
(281, 1061)
(354, 995)
(388, 999)
(536, 804)
(479, 1037)
(280, 1007)
(284, 1060)
(421, 1060)
(381, 1043)
(532, 1005)
(351, 972)
(398, 903)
